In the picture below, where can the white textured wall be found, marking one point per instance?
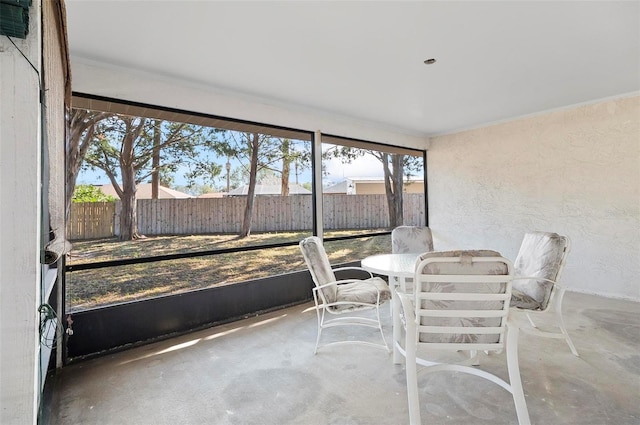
(20, 215)
(574, 172)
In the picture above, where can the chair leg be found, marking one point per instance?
(384, 340)
(514, 376)
(320, 320)
(369, 322)
(411, 368)
(563, 329)
(566, 335)
(563, 334)
(396, 328)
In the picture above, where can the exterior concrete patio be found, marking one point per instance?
(262, 370)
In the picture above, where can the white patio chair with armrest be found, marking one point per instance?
(538, 266)
(410, 240)
(460, 303)
(342, 297)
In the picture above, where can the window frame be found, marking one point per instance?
(106, 104)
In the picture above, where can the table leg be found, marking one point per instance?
(397, 325)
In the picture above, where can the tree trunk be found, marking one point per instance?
(253, 173)
(128, 216)
(155, 174)
(393, 188)
(286, 168)
(398, 182)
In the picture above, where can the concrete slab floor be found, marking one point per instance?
(262, 371)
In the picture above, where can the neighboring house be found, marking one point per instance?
(144, 192)
(370, 186)
(213, 195)
(269, 189)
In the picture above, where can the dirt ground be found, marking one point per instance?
(109, 285)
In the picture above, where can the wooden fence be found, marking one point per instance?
(224, 215)
(91, 220)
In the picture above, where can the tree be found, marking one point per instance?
(259, 155)
(82, 131)
(395, 168)
(206, 170)
(125, 153)
(253, 146)
(291, 154)
(256, 152)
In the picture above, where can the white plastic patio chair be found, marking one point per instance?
(342, 297)
(410, 240)
(460, 303)
(538, 266)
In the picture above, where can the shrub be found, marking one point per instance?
(90, 193)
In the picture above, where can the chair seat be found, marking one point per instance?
(362, 291)
(524, 301)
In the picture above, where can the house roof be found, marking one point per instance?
(363, 61)
(270, 189)
(144, 192)
(340, 187)
(376, 179)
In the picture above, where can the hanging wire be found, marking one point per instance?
(51, 329)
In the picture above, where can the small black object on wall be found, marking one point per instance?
(14, 18)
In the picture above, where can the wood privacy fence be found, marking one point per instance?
(224, 215)
(91, 220)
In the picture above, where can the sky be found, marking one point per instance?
(336, 171)
(365, 166)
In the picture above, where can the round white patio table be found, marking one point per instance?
(397, 267)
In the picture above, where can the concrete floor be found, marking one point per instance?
(262, 371)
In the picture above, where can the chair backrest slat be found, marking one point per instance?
(462, 314)
(464, 346)
(462, 279)
(461, 329)
(462, 297)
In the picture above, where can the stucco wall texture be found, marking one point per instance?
(573, 171)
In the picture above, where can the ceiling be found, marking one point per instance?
(364, 60)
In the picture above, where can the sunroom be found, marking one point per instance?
(509, 117)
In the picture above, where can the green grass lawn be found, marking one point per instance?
(104, 286)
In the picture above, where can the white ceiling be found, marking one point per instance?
(364, 60)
